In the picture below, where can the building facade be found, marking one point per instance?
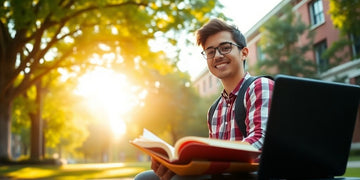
(313, 13)
(207, 84)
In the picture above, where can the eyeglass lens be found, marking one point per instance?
(223, 48)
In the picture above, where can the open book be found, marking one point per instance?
(192, 153)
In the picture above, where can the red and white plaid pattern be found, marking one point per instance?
(256, 101)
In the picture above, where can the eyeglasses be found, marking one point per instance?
(223, 48)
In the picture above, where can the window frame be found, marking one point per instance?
(322, 65)
(316, 10)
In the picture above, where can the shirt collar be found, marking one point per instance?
(236, 90)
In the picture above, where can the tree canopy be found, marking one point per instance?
(345, 15)
(38, 37)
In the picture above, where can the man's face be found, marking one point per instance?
(229, 65)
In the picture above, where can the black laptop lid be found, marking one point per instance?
(310, 128)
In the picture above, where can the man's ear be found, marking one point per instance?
(244, 53)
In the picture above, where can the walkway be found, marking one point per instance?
(353, 164)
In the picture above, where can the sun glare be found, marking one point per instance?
(110, 93)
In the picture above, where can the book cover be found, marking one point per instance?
(199, 155)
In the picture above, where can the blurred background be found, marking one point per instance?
(79, 79)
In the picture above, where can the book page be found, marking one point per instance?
(150, 140)
(215, 143)
(151, 136)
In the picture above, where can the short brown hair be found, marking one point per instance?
(216, 25)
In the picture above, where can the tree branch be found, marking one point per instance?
(4, 34)
(27, 84)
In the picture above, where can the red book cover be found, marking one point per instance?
(198, 155)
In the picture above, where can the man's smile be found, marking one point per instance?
(221, 65)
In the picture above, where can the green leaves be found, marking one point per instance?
(345, 15)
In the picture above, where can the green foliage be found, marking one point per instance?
(61, 122)
(199, 127)
(21, 109)
(336, 52)
(65, 123)
(345, 15)
(279, 43)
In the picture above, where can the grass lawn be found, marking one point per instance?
(352, 172)
(74, 171)
(92, 171)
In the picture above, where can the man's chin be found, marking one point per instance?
(220, 75)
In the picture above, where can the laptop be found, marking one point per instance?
(309, 130)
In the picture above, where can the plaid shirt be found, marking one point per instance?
(256, 101)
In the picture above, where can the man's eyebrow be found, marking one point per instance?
(226, 42)
(220, 44)
(209, 47)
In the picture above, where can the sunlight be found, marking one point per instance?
(108, 92)
(118, 126)
(32, 172)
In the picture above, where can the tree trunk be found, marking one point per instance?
(43, 147)
(37, 126)
(5, 128)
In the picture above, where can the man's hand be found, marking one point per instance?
(160, 170)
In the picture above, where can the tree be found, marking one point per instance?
(280, 44)
(40, 36)
(60, 116)
(65, 122)
(21, 122)
(345, 16)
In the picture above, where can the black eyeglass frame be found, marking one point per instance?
(219, 50)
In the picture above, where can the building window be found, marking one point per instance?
(322, 63)
(355, 45)
(316, 12)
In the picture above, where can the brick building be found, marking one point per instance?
(314, 13)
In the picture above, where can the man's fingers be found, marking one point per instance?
(168, 175)
(161, 170)
(154, 165)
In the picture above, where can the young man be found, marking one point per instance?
(224, 48)
(225, 51)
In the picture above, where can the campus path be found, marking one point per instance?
(353, 164)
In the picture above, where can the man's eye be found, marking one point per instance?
(225, 48)
(210, 51)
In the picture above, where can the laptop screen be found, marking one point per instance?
(310, 128)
